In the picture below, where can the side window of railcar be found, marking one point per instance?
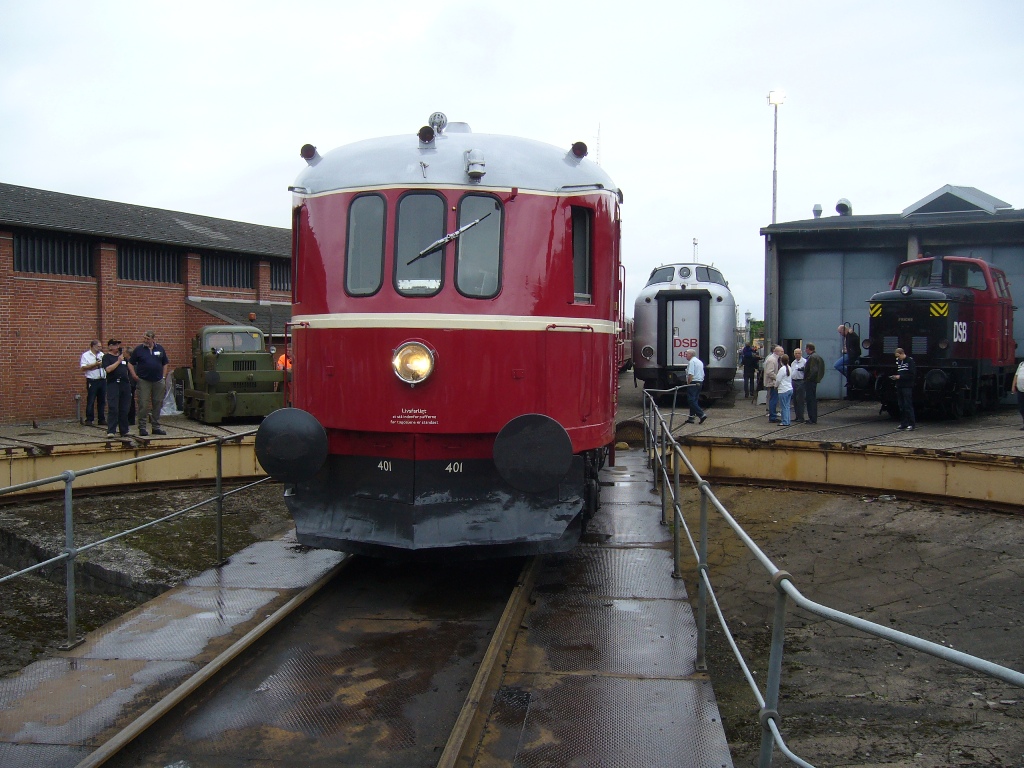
(419, 246)
(582, 254)
(976, 278)
(1002, 289)
(478, 253)
(364, 260)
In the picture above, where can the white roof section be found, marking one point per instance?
(404, 161)
(952, 199)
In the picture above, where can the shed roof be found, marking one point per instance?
(56, 211)
(270, 318)
(947, 207)
(950, 199)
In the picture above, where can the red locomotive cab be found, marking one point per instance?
(954, 316)
(456, 304)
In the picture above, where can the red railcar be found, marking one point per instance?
(954, 316)
(455, 311)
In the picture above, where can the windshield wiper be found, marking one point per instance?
(440, 243)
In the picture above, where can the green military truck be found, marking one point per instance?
(233, 375)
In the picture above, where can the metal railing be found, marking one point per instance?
(666, 458)
(71, 552)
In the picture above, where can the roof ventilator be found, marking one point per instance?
(475, 165)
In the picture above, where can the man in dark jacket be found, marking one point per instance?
(750, 359)
(906, 372)
(814, 372)
(149, 366)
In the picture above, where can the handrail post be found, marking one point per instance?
(69, 563)
(666, 501)
(771, 693)
(220, 501)
(702, 589)
(677, 522)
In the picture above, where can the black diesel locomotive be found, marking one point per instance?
(954, 316)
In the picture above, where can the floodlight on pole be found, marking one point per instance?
(774, 99)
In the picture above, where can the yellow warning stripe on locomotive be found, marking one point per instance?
(939, 309)
(875, 310)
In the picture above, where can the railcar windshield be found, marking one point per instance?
(418, 269)
(710, 275)
(663, 275)
(364, 264)
(955, 274)
(915, 275)
(478, 256)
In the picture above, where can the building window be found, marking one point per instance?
(148, 263)
(478, 254)
(280, 275)
(364, 261)
(227, 271)
(582, 250)
(52, 254)
(420, 246)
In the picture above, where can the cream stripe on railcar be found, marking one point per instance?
(455, 322)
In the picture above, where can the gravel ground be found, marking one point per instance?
(948, 574)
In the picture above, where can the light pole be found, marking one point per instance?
(774, 99)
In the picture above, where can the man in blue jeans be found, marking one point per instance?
(149, 367)
(694, 380)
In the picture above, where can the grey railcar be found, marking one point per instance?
(685, 306)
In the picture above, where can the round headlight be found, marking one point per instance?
(412, 362)
(906, 290)
(719, 352)
(647, 352)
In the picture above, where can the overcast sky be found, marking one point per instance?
(202, 106)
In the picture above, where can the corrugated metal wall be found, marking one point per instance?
(819, 290)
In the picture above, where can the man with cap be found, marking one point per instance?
(149, 366)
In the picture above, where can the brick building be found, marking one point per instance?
(75, 268)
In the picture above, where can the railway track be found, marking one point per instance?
(379, 663)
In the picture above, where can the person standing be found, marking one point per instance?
(784, 385)
(91, 364)
(771, 369)
(149, 367)
(814, 372)
(749, 359)
(797, 366)
(906, 372)
(850, 345)
(119, 388)
(1018, 387)
(694, 381)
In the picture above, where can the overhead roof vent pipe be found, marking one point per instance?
(843, 207)
(817, 210)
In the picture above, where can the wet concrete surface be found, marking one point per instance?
(373, 671)
(602, 671)
(54, 712)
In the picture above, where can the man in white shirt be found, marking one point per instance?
(799, 393)
(91, 364)
(694, 380)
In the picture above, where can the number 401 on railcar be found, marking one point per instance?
(954, 316)
(456, 319)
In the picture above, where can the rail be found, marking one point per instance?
(661, 445)
(71, 552)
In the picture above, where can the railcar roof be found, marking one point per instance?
(404, 161)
